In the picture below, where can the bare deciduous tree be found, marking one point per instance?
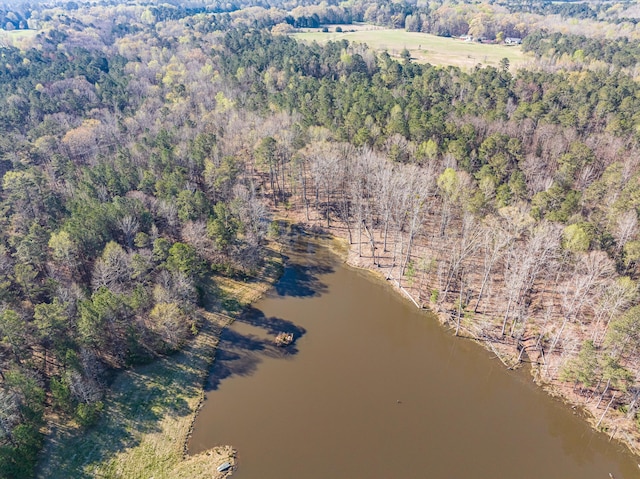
(494, 240)
(626, 228)
(113, 269)
(129, 225)
(9, 414)
(524, 261)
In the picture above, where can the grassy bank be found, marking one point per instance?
(425, 48)
(149, 410)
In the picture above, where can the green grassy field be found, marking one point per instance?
(426, 48)
(150, 409)
(14, 37)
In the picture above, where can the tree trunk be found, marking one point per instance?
(283, 190)
(386, 230)
(408, 255)
(485, 280)
(305, 201)
(632, 405)
(348, 223)
(606, 410)
(371, 242)
(506, 317)
(328, 202)
(273, 189)
(557, 338)
(606, 388)
(360, 238)
(459, 308)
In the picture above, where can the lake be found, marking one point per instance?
(374, 388)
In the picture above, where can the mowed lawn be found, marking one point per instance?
(426, 48)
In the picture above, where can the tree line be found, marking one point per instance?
(619, 53)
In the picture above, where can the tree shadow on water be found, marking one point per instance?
(273, 325)
(240, 354)
(301, 281)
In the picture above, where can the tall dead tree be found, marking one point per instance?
(493, 240)
(524, 262)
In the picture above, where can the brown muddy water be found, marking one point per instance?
(373, 388)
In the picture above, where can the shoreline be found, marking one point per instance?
(609, 422)
(150, 410)
(126, 462)
(245, 301)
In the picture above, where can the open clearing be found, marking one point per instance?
(424, 48)
(15, 37)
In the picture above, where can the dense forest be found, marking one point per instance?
(619, 53)
(145, 148)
